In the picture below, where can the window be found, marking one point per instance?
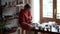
(58, 9)
(48, 8)
(50, 11)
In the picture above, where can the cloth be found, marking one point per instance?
(54, 29)
(25, 18)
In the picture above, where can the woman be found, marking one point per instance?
(25, 17)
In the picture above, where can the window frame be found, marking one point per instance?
(43, 19)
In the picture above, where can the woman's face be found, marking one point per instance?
(28, 9)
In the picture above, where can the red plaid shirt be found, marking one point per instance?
(25, 16)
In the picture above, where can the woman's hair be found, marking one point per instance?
(27, 6)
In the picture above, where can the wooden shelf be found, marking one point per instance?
(11, 18)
